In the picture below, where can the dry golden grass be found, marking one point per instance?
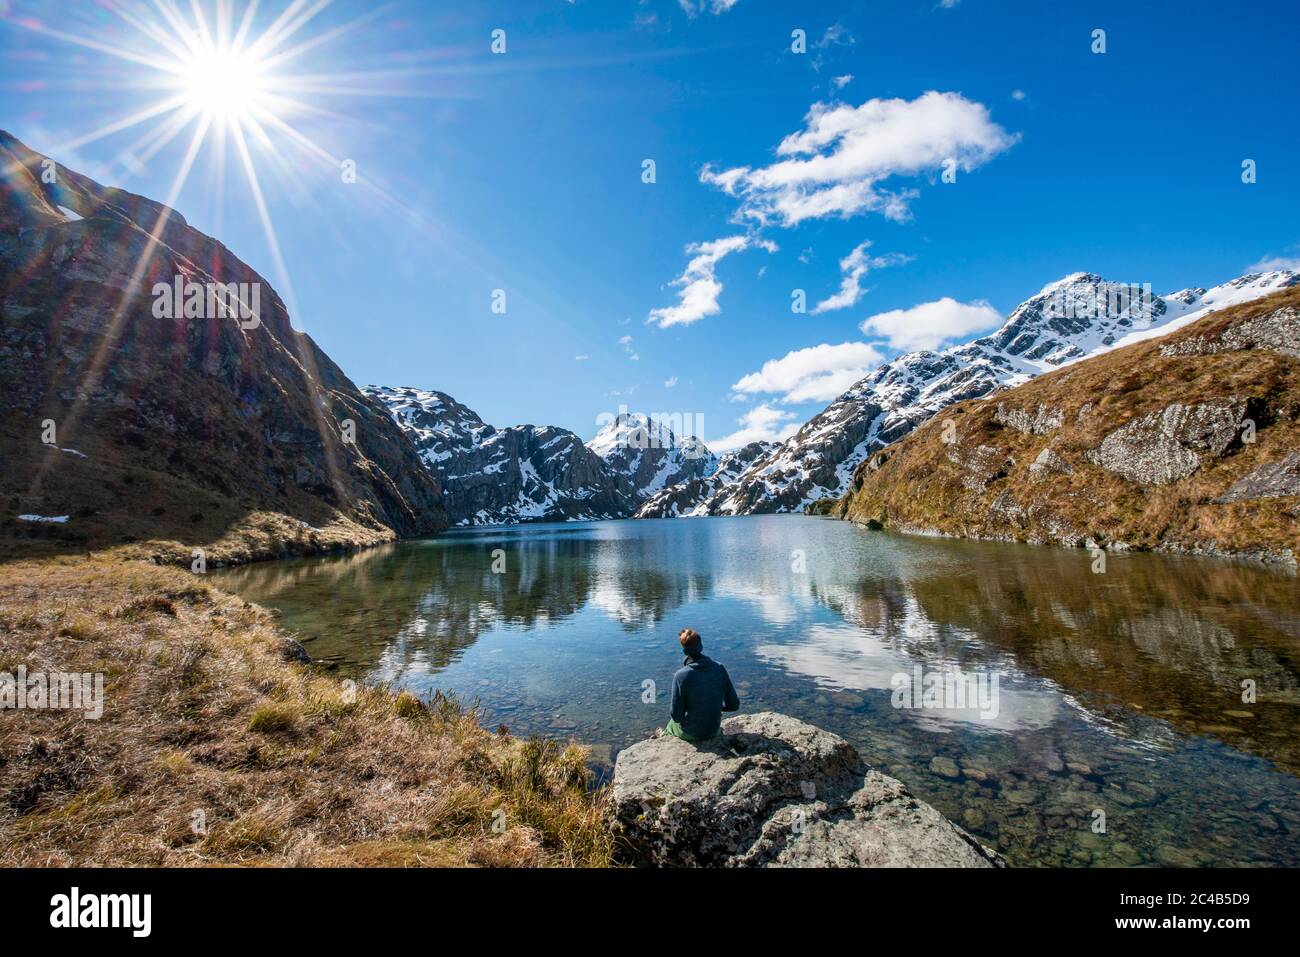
(919, 486)
(213, 749)
(230, 537)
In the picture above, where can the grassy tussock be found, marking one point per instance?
(214, 750)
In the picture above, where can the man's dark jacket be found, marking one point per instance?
(702, 690)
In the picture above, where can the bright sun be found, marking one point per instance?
(227, 84)
(231, 73)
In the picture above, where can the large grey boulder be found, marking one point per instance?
(1270, 480)
(1158, 448)
(1041, 421)
(773, 791)
(1049, 463)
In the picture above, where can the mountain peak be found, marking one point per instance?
(1074, 278)
(1076, 317)
(636, 430)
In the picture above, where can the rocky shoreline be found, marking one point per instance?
(773, 791)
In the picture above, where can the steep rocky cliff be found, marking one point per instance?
(1186, 442)
(218, 427)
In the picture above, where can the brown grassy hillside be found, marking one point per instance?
(214, 749)
(1186, 442)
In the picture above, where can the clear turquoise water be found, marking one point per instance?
(1119, 692)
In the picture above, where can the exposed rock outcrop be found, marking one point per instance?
(773, 791)
(1278, 331)
(1039, 422)
(1161, 447)
(1048, 462)
(1270, 480)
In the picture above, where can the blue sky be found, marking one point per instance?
(522, 171)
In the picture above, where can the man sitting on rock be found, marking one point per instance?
(702, 690)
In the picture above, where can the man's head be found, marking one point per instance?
(691, 642)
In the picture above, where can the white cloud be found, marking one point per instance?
(836, 35)
(669, 383)
(699, 284)
(840, 82)
(816, 374)
(581, 358)
(1270, 263)
(694, 8)
(835, 165)
(948, 4)
(1017, 95)
(855, 267)
(626, 343)
(761, 423)
(931, 324)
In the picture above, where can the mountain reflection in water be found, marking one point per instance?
(1120, 691)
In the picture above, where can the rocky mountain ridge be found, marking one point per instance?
(530, 473)
(1069, 320)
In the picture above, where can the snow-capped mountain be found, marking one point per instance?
(1079, 316)
(649, 456)
(527, 473)
(685, 498)
(496, 476)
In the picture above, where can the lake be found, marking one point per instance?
(1109, 698)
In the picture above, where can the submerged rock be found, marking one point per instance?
(292, 650)
(773, 791)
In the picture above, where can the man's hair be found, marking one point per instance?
(691, 641)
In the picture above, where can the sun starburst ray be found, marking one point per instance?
(37, 26)
(319, 40)
(245, 25)
(248, 83)
(285, 27)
